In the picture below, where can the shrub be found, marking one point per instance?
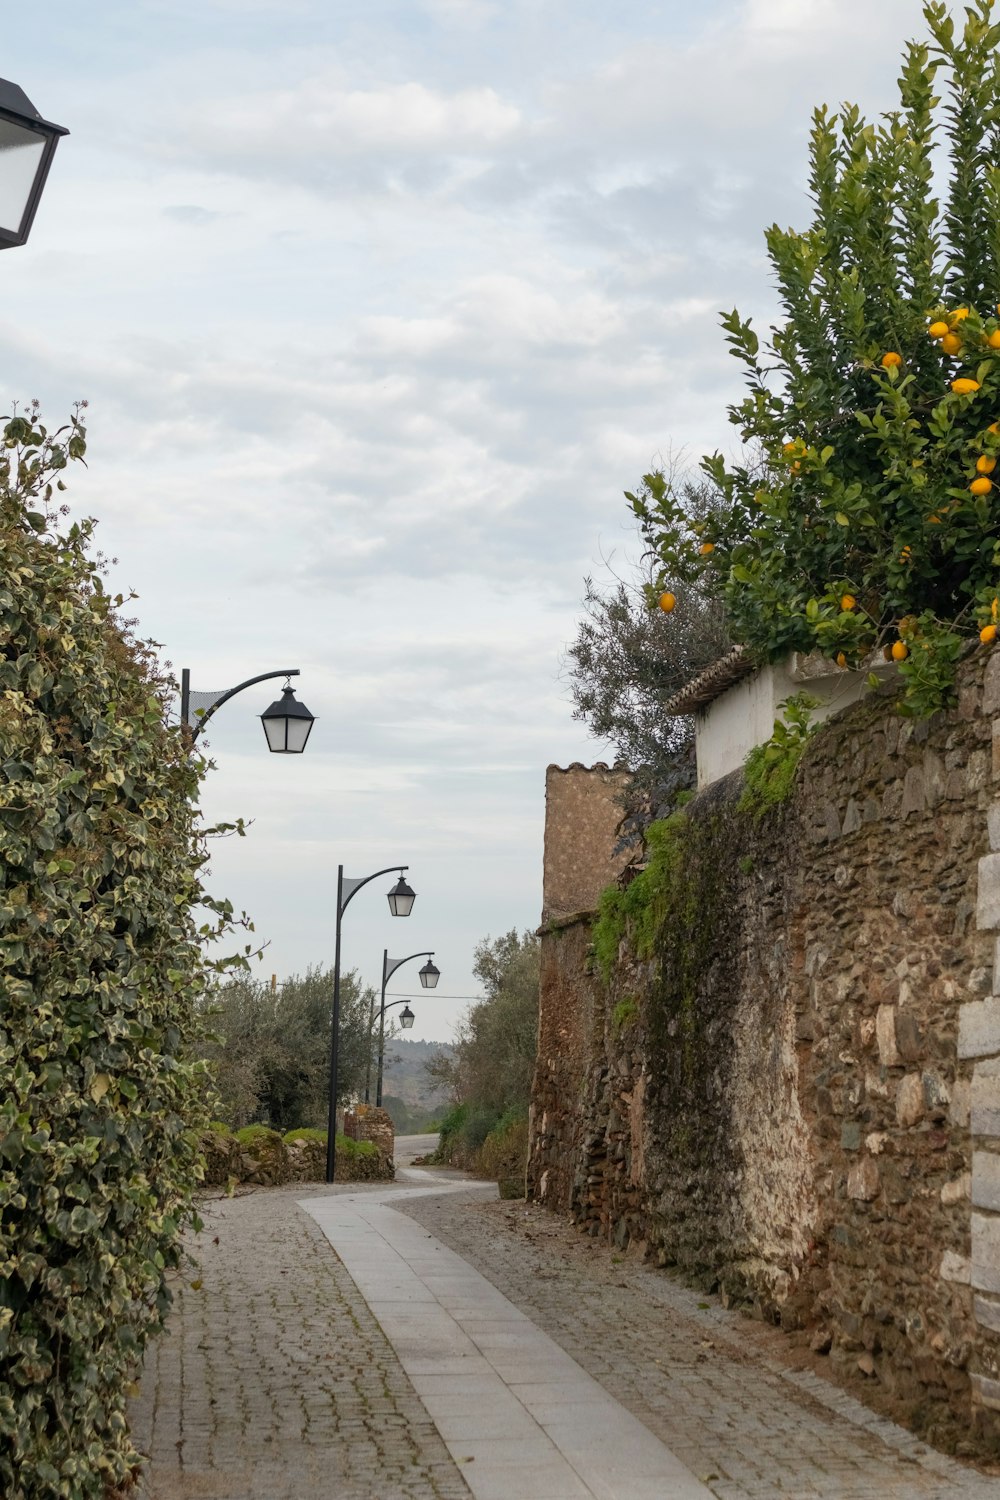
(101, 967)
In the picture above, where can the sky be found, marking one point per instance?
(379, 306)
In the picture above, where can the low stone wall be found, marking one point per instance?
(266, 1159)
(367, 1123)
(779, 1100)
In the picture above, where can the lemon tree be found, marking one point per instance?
(864, 515)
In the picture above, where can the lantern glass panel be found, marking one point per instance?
(401, 899)
(406, 1018)
(21, 152)
(429, 975)
(297, 734)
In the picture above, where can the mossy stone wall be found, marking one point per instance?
(773, 1098)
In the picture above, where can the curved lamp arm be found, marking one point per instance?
(390, 965)
(351, 887)
(222, 698)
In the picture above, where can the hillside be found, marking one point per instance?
(405, 1077)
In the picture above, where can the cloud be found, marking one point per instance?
(323, 119)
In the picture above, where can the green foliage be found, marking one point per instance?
(628, 657)
(103, 927)
(638, 909)
(770, 768)
(854, 524)
(304, 1133)
(624, 1012)
(504, 1152)
(270, 1050)
(491, 1067)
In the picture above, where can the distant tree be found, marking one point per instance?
(629, 657)
(271, 1061)
(489, 1073)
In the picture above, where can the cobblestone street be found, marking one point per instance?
(276, 1382)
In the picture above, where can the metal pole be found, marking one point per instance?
(331, 1137)
(185, 696)
(381, 1028)
(371, 1041)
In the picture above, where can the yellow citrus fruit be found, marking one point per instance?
(994, 339)
(951, 343)
(959, 313)
(986, 464)
(904, 556)
(841, 659)
(988, 634)
(964, 386)
(706, 548)
(938, 330)
(667, 602)
(900, 651)
(981, 486)
(994, 427)
(848, 601)
(790, 447)
(892, 360)
(934, 520)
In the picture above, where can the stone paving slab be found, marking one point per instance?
(559, 1434)
(274, 1380)
(746, 1424)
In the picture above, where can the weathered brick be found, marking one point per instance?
(986, 1180)
(986, 1252)
(985, 1115)
(988, 893)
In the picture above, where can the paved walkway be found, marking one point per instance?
(455, 1345)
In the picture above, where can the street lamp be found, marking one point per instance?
(401, 899)
(429, 976)
(287, 723)
(27, 146)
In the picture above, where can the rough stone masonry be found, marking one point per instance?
(796, 1099)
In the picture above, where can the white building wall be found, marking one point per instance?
(743, 716)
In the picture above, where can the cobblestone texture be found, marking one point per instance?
(274, 1381)
(709, 1383)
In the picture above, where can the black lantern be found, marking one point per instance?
(429, 975)
(401, 899)
(406, 1018)
(287, 724)
(27, 146)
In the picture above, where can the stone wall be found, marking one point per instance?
(367, 1123)
(582, 814)
(784, 1099)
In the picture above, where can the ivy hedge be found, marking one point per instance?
(103, 919)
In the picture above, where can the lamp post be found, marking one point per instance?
(27, 146)
(401, 899)
(287, 723)
(429, 976)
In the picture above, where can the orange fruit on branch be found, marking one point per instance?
(985, 464)
(964, 386)
(938, 329)
(981, 486)
(994, 339)
(847, 602)
(900, 651)
(841, 659)
(951, 343)
(667, 603)
(706, 549)
(891, 360)
(988, 634)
